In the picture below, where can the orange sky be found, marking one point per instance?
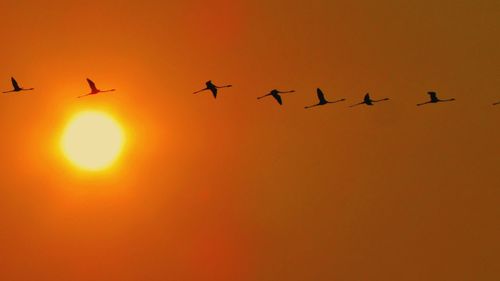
(240, 189)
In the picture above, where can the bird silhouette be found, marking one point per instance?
(94, 90)
(434, 99)
(16, 87)
(276, 95)
(322, 99)
(368, 101)
(212, 88)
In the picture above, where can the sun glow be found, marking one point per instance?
(92, 141)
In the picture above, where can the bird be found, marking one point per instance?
(434, 99)
(212, 88)
(16, 87)
(368, 101)
(276, 95)
(94, 90)
(322, 100)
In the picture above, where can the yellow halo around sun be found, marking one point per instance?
(92, 141)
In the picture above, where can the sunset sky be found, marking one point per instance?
(241, 189)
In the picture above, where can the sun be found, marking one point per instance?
(92, 141)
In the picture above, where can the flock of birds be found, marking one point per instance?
(93, 89)
(276, 94)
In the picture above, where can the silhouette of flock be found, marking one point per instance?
(276, 94)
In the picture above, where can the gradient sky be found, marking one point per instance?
(239, 189)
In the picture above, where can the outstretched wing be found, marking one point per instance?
(321, 96)
(15, 84)
(278, 98)
(433, 95)
(92, 85)
(213, 89)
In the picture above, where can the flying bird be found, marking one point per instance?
(322, 99)
(94, 90)
(212, 88)
(16, 87)
(276, 95)
(434, 99)
(368, 101)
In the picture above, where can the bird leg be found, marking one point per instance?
(423, 103)
(200, 91)
(263, 96)
(357, 104)
(311, 106)
(84, 95)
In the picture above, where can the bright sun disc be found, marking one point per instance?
(92, 141)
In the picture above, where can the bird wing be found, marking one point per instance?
(321, 96)
(14, 83)
(92, 85)
(214, 91)
(367, 98)
(278, 98)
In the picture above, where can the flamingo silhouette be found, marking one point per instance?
(322, 99)
(94, 90)
(276, 95)
(16, 87)
(434, 99)
(212, 88)
(368, 101)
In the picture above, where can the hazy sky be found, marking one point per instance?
(246, 190)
